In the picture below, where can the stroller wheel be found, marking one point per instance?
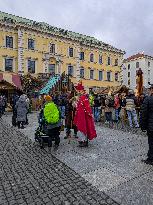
(41, 143)
(36, 138)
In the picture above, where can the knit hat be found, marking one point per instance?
(48, 98)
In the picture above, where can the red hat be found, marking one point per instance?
(79, 86)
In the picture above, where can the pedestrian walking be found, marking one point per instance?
(4, 104)
(109, 104)
(62, 104)
(97, 108)
(123, 110)
(130, 105)
(83, 118)
(22, 109)
(146, 123)
(117, 107)
(28, 104)
(1, 105)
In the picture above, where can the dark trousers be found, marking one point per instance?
(150, 142)
(54, 134)
(20, 124)
(68, 130)
(108, 116)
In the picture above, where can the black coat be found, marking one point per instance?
(70, 113)
(146, 116)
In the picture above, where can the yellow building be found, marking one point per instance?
(36, 47)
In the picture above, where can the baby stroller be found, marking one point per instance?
(41, 133)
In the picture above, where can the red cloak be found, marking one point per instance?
(83, 118)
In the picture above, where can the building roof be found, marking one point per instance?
(137, 56)
(11, 78)
(46, 28)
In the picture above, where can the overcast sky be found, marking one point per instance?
(125, 24)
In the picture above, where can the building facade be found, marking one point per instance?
(34, 47)
(131, 66)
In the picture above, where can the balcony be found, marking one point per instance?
(48, 56)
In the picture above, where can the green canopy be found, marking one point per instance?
(50, 84)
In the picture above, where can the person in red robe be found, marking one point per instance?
(83, 118)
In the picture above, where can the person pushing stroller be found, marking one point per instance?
(49, 123)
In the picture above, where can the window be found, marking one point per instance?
(91, 57)
(128, 74)
(71, 52)
(100, 75)
(100, 59)
(31, 44)
(109, 76)
(8, 64)
(82, 56)
(52, 48)
(70, 70)
(148, 64)
(51, 68)
(137, 64)
(116, 62)
(128, 66)
(9, 42)
(116, 76)
(129, 82)
(81, 72)
(31, 66)
(91, 74)
(109, 61)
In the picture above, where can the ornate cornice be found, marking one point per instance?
(10, 20)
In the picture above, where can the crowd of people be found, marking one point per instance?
(79, 111)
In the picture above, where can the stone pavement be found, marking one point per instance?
(31, 176)
(112, 163)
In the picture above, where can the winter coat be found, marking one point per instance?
(97, 102)
(107, 108)
(14, 100)
(116, 103)
(83, 118)
(4, 101)
(63, 100)
(70, 113)
(130, 102)
(22, 109)
(146, 120)
(1, 101)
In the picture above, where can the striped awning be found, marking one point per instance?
(50, 84)
(11, 78)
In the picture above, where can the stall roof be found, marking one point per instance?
(11, 78)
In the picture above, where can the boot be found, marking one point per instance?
(83, 144)
(22, 127)
(18, 125)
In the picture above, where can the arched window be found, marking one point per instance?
(52, 48)
(91, 57)
(109, 61)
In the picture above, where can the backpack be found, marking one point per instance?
(51, 113)
(91, 100)
(111, 103)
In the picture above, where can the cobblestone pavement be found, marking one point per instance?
(29, 175)
(112, 162)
